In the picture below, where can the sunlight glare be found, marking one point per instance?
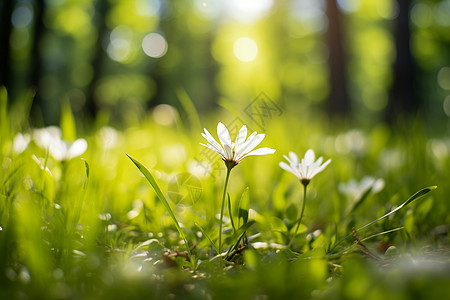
(248, 10)
(154, 45)
(245, 49)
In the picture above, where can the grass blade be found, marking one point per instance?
(360, 200)
(417, 195)
(86, 165)
(381, 233)
(231, 213)
(190, 109)
(239, 234)
(207, 236)
(244, 206)
(162, 198)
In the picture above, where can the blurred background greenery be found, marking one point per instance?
(371, 60)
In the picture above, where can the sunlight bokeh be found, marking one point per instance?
(245, 49)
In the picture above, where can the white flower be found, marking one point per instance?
(233, 153)
(20, 142)
(355, 189)
(307, 168)
(50, 138)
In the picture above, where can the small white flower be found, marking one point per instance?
(307, 168)
(233, 153)
(355, 189)
(20, 142)
(50, 138)
(108, 137)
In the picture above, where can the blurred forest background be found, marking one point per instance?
(369, 60)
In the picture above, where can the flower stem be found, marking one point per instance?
(301, 215)
(221, 210)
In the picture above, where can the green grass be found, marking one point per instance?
(93, 227)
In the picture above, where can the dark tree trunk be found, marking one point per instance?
(36, 67)
(6, 8)
(97, 61)
(402, 99)
(338, 102)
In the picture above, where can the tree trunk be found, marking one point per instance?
(97, 61)
(402, 98)
(338, 102)
(5, 33)
(35, 61)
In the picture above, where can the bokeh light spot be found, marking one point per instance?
(245, 49)
(421, 15)
(443, 78)
(388, 9)
(375, 99)
(22, 16)
(441, 13)
(247, 11)
(147, 8)
(446, 106)
(119, 50)
(154, 45)
(164, 114)
(349, 6)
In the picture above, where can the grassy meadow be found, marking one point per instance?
(91, 225)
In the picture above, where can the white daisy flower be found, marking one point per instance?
(50, 138)
(307, 168)
(355, 189)
(233, 153)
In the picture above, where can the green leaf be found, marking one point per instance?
(231, 213)
(278, 225)
(292, 213)
(162, 198)
(67, 122)
(239, 234)
(244, 206)
(207, 236)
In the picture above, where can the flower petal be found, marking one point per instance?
(294, 159)
(228, 152)
(217, 147)
(287, 158)
(319, 169)
(252, 141)
(309, 157)
(288, 168)
(211, 139)
(77, 148)
(260, 151)
(58, 149)
(240, 139)
(220, 151)
(224, 135)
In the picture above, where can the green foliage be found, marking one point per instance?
(90, 227)
(162, 198)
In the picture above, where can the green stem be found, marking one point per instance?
(221, 210)
(301, 215)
